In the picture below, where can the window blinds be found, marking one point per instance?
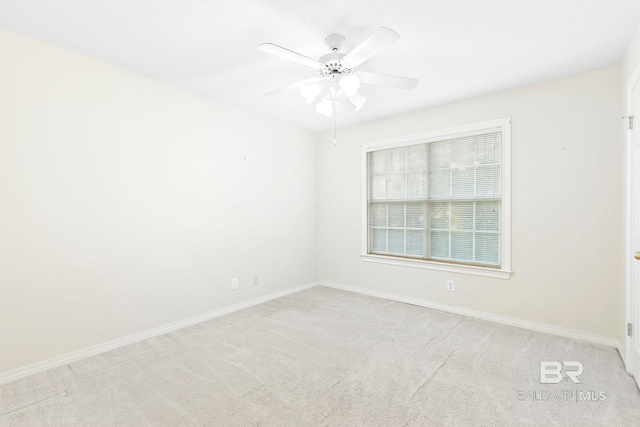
(438, 200)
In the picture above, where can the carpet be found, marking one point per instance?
(324, 357)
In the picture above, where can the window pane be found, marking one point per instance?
(439, 244)
(415, 242)
(397, 186)
(462, 182)
(439, 155)
(462, 152)
(378, 187)
(378, 162)
(488, 216)
(439, 183)
(417, 157)
(440, 216)
(396, 215)
(416, 185)
(488, 181)
(462, 215)
(415, 215)
(487, 248)
(379, 240)
(397, 159)
(396, 241)
(462, 246)
(378, 215)
(487, 149)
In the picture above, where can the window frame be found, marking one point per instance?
(502, 125)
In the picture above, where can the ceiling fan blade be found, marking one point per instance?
(290, 55)
(397, 82)
(291, 87)
(373, 44)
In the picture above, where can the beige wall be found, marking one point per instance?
(127, 204)
(567, 205)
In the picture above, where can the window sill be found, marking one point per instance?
(439, 266)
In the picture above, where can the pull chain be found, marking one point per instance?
(335, 122)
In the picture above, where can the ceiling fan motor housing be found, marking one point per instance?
(332, 68)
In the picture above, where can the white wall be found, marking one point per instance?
(127, 204)
(632, 57)
(567, 205)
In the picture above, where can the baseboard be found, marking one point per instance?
(623, 353)
(505, 320)
(66, 359)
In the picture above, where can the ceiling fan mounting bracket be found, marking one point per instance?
(334, 41)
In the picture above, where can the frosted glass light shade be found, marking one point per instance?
(358, 100)
(350, 84)
(310, 92)
(325, 106)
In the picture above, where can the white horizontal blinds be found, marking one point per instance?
(397, 196)
(464, 190)
(437, 200)
(465, 168)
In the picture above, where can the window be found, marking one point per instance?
(440, 200)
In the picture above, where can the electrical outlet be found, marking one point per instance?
(451, 286)
(234, 283)
(256, 280)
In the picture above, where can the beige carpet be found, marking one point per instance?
(324, 357)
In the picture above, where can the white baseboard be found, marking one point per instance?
(505, 320)
(66, 359)
(622, 350)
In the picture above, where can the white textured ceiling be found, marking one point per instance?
(456, 48)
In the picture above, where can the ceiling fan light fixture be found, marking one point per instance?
(310, 92)
(358, 100)
(350, 84)
(325, 106)
(337, 77)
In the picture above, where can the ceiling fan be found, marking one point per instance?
(337, 78)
